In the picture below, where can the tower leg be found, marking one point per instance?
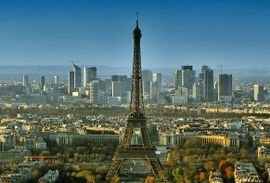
(145, 136)
(156, 166)
(114, 170)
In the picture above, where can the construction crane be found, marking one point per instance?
(74, 61)
(221, 67)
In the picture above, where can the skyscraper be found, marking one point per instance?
(147, 76)
(258, 93)
(56, 79)
(116, 88)
(157, 77)
(207, 77)
(185, 77)
(154, 91)
(94, 92)
(120, 86)
(25, 80)
(197, 91)
(225, 87)
(70, 82)
(42, 83)
(93, 73)
(86, 78)
(89, 74)
(155, 86)
(77, 76)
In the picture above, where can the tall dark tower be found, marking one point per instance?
(129, 151)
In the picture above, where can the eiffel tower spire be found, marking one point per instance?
(136, 104)
(136, 120)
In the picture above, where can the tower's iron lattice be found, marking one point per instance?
(136, 120)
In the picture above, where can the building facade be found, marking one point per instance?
(77, 76)
(70, 82)
(172, 139)
(224, 87)
(185, 77)
(258, 93)
(207, 77)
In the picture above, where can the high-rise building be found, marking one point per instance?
(70, 82)
(43, 83)
(258, 93)
(155, 86)
(207, 77)
(197, 91)
(115, 78)
(154, 91)
(225, 87)
(25, 80)
(94, 92)
(147, 76)
(77, 76)
(157, 77)
(146, 89)
(93, 73)
(89, 74)
(116, 88)
(124, 81)
(56, 79)
(86, 78)
(185, 77)
(120, 86)
(128, 84)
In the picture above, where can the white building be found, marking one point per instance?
(116, 89)
(258, 93)
(172, 139)
(94, 92)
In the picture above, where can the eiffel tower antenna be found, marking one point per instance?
(136, 120)
(137, 20)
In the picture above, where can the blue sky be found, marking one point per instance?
(235, 33)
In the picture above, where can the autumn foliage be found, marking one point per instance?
(149, 179)
(202, 176)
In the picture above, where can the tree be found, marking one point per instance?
(210, 165)
(149, 179)
(177, 174)
(175, 154)
(202, 176)
(116, 179)
(244, 152)
(44, 153)
(87, 175)
(222, 163)
(229, 172)
(226, 169)
(162, 175)
(36, 173)
(170, 163)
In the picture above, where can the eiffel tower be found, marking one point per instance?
(128, 151)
